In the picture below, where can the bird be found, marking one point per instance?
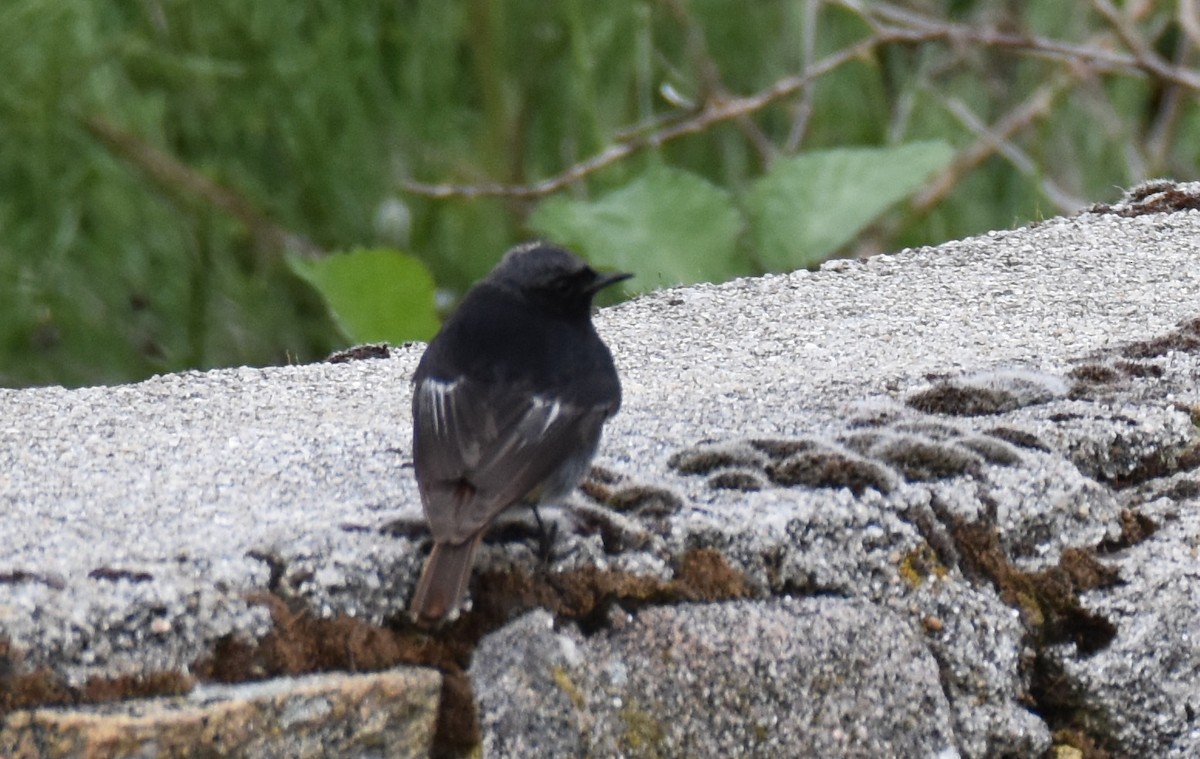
(509, 402)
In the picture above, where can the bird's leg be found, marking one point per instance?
(546, 536)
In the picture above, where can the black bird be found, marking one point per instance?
(509, 402)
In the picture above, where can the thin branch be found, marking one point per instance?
(926, 29)
(1189, 20)
(1034, 107)
(712, 113)
(1064, 201)
(713, 86)
(878, 14)
(1126, 33)
(804, 106)
(181, 179)
(1161, 133)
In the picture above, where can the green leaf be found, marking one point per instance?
(667, 227)
(806, 208)
(374, 295)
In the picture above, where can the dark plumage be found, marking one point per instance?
(508, 407)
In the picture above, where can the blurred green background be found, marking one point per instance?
(192, 185)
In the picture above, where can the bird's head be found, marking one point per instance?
(552, 277)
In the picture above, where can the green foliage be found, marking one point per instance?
(375, 295)
(673, 227)
(807, 207)
(116, 262)
(667, 225)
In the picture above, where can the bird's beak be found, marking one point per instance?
(604, 280)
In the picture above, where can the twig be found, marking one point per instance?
(1166, 121)
(1170, 103)
(1189, 20)
(929, 29)
(180, 178)
(918, 30)
(1126, 33)
(1065, 202)
(804, 106)
(713, 86)
(711, 113)
(989, 141)
(1033, 108)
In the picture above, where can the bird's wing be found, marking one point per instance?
(479, 448)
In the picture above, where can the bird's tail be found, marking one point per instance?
(443, 581)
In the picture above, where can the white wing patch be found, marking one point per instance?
(532, 427)
(435, 396)
(539, 405)
(480, 443)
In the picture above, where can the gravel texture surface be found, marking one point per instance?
(810, 427)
